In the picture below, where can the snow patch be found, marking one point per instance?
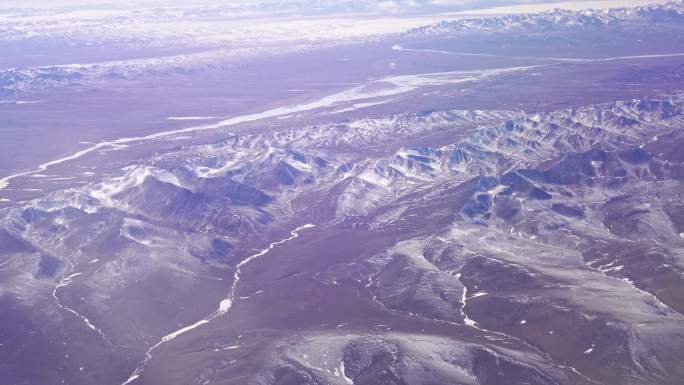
(464, 301)
(496, 190)
(134, 176)
(344, 374)
(225, 305)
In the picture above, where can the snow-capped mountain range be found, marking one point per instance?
(667, 13)
(526, 176)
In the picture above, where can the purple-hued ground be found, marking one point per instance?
(341, 196)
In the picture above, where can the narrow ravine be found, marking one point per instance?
(63, 282)
(223, 307)
(464, 302)
(605, 269)
(472, 323)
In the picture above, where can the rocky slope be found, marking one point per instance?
(521, 232)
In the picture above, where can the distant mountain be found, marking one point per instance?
(671, 13)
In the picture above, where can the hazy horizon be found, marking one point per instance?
(320, 6)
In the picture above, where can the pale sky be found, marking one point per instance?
(317, 6)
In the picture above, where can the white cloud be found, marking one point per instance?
(288, 6)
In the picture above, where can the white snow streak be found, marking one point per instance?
(63, 282)
(192, 117)
(464, 300)
(223, 306)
